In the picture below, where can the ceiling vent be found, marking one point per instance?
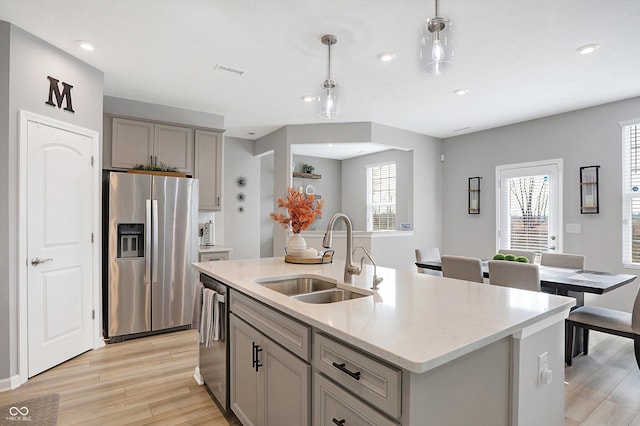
(222, 68)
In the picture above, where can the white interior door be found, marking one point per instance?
(59, 245)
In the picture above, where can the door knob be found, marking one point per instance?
(36, 261)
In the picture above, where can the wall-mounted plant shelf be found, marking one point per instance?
(306, 175)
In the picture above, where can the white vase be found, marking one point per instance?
(296, 246)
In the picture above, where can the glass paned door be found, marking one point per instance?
(529, 208)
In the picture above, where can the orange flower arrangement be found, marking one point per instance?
(300, 207)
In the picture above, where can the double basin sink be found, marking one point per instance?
(311, 289)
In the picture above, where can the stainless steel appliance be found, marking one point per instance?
(214, 360)
(151, 241)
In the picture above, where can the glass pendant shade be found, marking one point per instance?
(328, 100)
(436, 52)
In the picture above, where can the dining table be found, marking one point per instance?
(564, 282)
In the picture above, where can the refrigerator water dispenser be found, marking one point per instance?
(130, 240)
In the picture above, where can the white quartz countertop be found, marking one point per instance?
(415, 321)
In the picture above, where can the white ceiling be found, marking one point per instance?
(517, 57)
(338, 151)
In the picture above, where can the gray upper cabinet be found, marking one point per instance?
(141, 142)
(208, 169)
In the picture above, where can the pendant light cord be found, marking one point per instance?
(329, 73)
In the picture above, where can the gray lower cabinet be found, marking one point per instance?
(335, 406)
(269, 385)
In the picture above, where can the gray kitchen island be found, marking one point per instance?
(419, 350)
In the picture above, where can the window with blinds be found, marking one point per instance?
(381, 197)
(528, 212)
(631, 195)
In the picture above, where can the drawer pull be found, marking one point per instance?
(339, 422)
(342, 368)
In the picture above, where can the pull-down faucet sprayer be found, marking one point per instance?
(349, 268)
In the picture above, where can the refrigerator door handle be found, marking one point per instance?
(147, 242)
(154, 249)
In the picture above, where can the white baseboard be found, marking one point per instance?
(198, 377)
(9, 383)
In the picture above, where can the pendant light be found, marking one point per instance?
(436, 52)
(328, 100)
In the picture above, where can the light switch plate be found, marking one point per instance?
(573, 228)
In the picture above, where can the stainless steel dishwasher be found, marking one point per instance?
(214, 360)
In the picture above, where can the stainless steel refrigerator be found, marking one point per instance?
(151, 241)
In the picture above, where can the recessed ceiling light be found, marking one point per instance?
(588, 48)
(462, 128)
(387, 56)
(308, 98)
(251, 133)
(329, 145)
(461, 92)
(84, 44)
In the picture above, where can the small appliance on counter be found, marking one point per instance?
(209, 234)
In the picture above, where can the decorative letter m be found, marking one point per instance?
(60, 97)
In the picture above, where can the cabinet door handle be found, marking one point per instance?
(218, 201)
(342, 368)
(339, 422)
(256, 359)
(151, 160)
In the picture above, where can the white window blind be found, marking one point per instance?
(528, 206)
(381, 197)
(528, 212)
(631, 195)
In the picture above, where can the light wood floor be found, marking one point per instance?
(603, 388)
(149, 381)
(146, 381)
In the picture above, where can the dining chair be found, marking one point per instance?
(428, 254)
(563, 260)
(529, 254)
(514, 274)
(610, 321)
(462, 268)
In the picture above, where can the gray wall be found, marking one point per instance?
(329, 186)
(241, 229)
(8, 221)
(267, 196)
(581, 138)
(354, 190)
(29, 61)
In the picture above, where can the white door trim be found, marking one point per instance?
(24, 118)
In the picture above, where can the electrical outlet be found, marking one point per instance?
(545, 375)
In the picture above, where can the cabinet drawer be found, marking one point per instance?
(368, 378)
(293, 335)
(207, 257)
(333, 404)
